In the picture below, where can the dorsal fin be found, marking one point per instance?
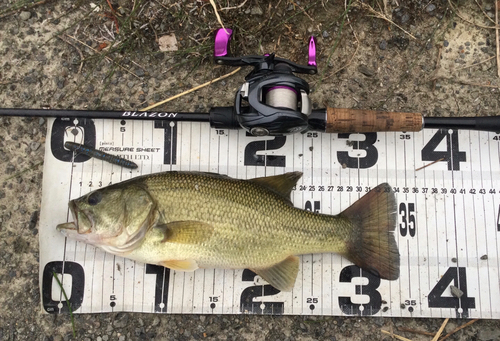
(280, 184)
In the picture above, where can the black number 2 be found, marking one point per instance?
(252, 159)
(247, 304)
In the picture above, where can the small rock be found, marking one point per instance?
(10, 169)
(325, 34)
(41, 121)
(383, 45)
(366, 71)
(34, 145)
(256, 11)
(33, 220)
(168, 43)
(59, 96)
(379, 321)
(140, 72)
(446, 43)
(404, 18)
(156, 321)
(202, 318)
(488, 334)
(90, 88)
(24, 15)
(456, 292)
(430, 8)
(121, 321)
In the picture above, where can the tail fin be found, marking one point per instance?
(372, 245)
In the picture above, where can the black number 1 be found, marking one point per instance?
(161, 286)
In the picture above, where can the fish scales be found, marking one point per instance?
(252, 225)
(191, 220)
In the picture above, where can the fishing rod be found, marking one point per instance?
(274, 101)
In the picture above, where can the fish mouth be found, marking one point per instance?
(82, 222)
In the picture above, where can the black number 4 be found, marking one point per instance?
(452, 154)
(459, 278)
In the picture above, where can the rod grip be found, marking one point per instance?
(340, 120)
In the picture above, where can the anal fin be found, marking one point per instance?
(282, 276)
(181, 265)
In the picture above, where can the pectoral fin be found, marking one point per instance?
(182, 265)
(282, 276)
(186, 232)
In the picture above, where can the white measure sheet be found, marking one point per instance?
(447, 233)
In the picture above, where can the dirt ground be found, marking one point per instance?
(434, 56)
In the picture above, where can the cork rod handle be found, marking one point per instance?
(365, 121)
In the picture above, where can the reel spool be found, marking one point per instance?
(282, 97)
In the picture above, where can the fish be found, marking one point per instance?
(190, 220)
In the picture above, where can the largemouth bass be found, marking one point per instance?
(190, 220)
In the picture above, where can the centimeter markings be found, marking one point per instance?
(448, 220)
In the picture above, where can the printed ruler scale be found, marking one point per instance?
(447, 234)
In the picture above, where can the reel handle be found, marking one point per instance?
(267, 63)
(339, 120)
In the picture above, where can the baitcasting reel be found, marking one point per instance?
(272, 101)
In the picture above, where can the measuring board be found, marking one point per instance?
(447, 233)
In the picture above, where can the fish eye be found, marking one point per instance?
(94, 198)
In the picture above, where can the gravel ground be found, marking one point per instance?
(374, 65)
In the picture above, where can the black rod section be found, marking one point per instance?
(95, 114)
(317, 120)
(485, 123)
